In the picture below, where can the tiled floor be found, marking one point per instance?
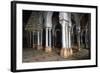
(33, 55)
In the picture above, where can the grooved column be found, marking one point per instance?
(48, 40)
(48, 25)
(49, 37)
(46, 37)
(69, 30)
(66, 49)
(64, 41)
(41, 37)
(38, 40)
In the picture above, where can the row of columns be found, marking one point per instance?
(48, 27)
(85, 34)
(37, 44)
(64, 20)
(48, 40)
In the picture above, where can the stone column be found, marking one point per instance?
(66, 49)
(48, 25)
(38, 40)
(49, 37)
(46, 37)
(48, 41)
(69, 31)
(41, 37)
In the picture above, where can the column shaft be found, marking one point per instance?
(66, 36)
(66, 50)
(39, 46)
(48, 40)
(41, 37)
(50, 37)
(46, 37)
(69, 31)
(63, 36)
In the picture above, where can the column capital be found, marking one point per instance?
(64, 15)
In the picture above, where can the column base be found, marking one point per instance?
(66, 52)
(39, 47)
(48, 50)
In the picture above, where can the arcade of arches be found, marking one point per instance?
(64, 31)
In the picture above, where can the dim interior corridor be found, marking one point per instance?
(55, 36)
(34, 55)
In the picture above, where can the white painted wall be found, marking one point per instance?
(5, 36)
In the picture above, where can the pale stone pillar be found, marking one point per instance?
(41, 37)
(48, 25)
(46, 37)
(69, 37)
(66, 35)
(66, 49)
(48, 40)
(38, 40)
(49, 37)
(64, 41)
(69, 30)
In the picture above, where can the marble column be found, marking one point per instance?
(69, 31)
(46, 37)
(48, 40)
(48, 26)
(66, 49)
(38, 40)
(49, 37)
(41, 37)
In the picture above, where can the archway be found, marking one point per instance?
(57, 31)
(58, 37)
